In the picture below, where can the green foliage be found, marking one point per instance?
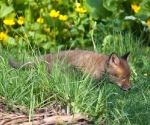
(105, 23)
(5, 10)
(112, 5)
(103, 103)
(39, 30)
(96, 9)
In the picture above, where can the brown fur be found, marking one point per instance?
(97, 65)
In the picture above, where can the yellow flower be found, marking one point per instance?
(25, 35)
(63, 17)
(40, 20)
(34, 4)
(135, 8)
(16, 37)
(145, 74)
(45, 25)
(9, 21)
(77, 4)
(80, 10)
(148, 22)
(47, 29)
(21, 20)
(3, 36)
(54, 13)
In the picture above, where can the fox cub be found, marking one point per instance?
(97, 65)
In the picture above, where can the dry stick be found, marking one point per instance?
(64, 119)
(94, 27)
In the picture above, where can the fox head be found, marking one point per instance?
(118, 70)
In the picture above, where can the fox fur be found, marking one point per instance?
(97, 65)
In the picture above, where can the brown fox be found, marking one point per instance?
(97, 65)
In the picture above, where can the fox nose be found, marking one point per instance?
(125, 87)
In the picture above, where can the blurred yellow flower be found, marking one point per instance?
(77, 4)
(9, 21)
(45, 25)
(40, 20)
(148, 22)
(21, 20)
(47, 29)
(34, 4)
(135, 8)
(25, 35)
(80, 10)
(54, 13)
(145, 74)
(16, 37)
(3, 36)
(63, 17)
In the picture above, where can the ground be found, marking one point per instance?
(42, 116)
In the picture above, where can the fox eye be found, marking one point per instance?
(114, 75)
(122, 77)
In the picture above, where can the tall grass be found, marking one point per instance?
(36, 88)
(130, 107)
(104, 103)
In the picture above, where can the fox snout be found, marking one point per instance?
(126, 87)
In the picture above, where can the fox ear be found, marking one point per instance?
(114, 59)
(126, 56)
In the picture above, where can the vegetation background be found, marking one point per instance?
(32, 27)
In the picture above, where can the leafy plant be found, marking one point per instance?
(34, 24)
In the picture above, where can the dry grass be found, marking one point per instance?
(52, 114)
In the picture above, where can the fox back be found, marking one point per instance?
(97, 65)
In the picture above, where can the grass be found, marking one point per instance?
(104, 103)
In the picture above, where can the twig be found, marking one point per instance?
(94, 27)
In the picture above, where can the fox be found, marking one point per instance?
(93, 63)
